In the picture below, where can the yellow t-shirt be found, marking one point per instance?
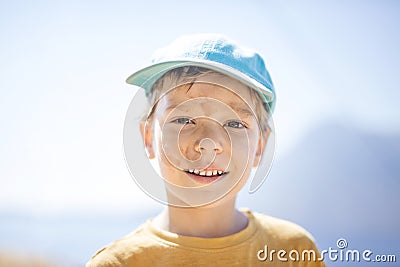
(266, 241)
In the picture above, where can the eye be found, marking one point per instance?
(235, 124)
(183, 121)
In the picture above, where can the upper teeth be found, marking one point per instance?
(205, 172)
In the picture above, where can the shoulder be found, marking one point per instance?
(282, 231)
(122, 252)
(281, 235)
(281, 227)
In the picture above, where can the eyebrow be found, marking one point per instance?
(170, 107)
(242, 110)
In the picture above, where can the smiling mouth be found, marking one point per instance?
(206, 173)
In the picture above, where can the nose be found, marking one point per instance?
(208, 144)
(209, 137)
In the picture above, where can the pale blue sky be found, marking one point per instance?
(63, 96)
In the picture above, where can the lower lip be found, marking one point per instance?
(204, 179)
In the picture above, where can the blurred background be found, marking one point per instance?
(65, 190)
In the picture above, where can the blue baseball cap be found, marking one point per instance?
(212, 51)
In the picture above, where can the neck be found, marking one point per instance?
(218, 220)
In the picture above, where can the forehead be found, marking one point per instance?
(213, 86)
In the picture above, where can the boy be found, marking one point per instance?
(206, 128)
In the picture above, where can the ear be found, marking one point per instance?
(147, 135)
(262, 141)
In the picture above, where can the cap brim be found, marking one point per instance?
(147, 76)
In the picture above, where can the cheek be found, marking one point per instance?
(169, 141)
(173, 145)
(174, 150)
(244, 146)
(243, 156)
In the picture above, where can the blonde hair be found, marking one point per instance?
(189, 75)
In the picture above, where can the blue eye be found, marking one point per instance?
(235, 124)
(183, 121)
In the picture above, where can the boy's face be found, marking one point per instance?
(205, 137)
